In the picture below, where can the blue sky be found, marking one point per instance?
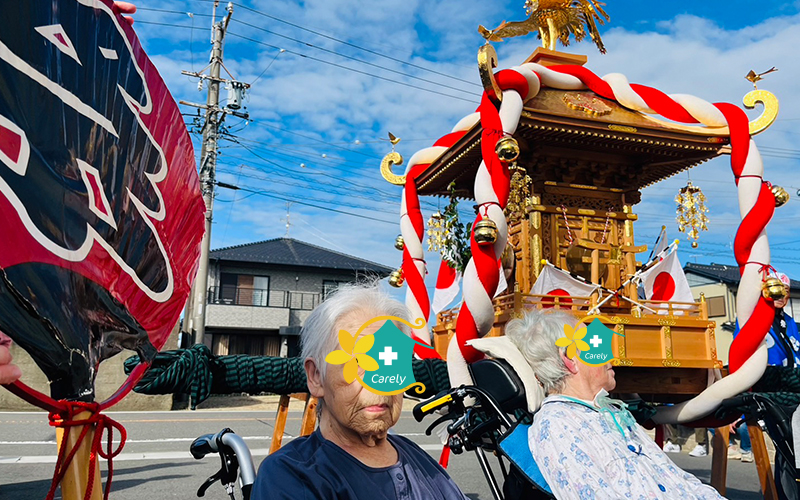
(317, 130)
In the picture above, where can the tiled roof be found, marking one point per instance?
(291, 252)
(721, 272)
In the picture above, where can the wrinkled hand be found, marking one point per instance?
(8, 372)
(126, 8)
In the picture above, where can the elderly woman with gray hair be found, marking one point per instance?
(351, 455)
(586, 444)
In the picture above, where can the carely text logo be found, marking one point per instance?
(596, 350)
(384, 356)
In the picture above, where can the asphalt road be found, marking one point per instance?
(156, 464)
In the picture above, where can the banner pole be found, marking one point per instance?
(76, 478)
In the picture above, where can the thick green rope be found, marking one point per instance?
(198, 373)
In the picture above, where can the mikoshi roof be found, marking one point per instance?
(292, 252)
(578, 137)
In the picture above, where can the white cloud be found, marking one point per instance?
(687, 54)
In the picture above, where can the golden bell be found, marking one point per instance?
(773, 289)
(507, 148)
(396, 278)
(485, 231)
(781, 196)
(694, 244)
(399, 242)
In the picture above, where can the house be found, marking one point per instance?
(260, 293)
(719, 284)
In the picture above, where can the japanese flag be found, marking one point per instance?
(447, 287)
(554, 282)
(666, 281)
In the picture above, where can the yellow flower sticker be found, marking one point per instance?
(573, 340)
(353, 355)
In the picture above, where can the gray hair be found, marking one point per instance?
(319, 335)
(535, 336)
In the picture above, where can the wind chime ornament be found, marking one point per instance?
(519, 193)
(437, 232)
(691, 212)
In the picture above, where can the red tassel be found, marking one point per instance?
(444, 458)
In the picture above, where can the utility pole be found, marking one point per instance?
(288, 218)
(195, 312)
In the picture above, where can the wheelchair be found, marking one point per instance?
(492, 416)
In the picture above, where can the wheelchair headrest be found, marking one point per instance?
(515, 364)
(496, 377)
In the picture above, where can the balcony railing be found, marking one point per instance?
(257, 297)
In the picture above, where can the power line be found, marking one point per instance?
(350, 44)
(312, 138)
(289, 170)
(281, 51)
(361, 61)
(309, 188)
(346, 68)
(282, 198)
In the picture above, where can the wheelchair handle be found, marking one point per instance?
(427, 407)
(247, 469)
(232, 450)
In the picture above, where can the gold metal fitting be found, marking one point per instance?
(396, 278)
(507, 148)
(399, 242)
(773, 289)
(781, 196)
(485, 231)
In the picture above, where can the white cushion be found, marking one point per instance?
(503, 348)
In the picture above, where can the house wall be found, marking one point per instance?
(281, 277)
(701, 284)
(724, 338)
(293, 293)
(246, 317)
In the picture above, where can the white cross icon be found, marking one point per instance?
(596, 341)
(387, 356)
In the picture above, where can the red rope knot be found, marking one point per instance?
(764, 269)
(66, 419)
(483, 208)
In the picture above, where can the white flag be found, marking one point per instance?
(447, 287)
(552, 281)
(502, 283)
(662, 243)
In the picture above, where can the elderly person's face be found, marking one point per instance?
(351, 407)
(588, 377)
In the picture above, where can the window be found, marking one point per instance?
(261, 291)
(716, 306)
(228, 285)
(330, 286)
(242, 289)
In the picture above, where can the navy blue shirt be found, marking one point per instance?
(312, 467)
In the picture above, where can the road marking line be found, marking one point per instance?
(161, 455)
(153, 455)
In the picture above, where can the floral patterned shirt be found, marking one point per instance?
(583, 455)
